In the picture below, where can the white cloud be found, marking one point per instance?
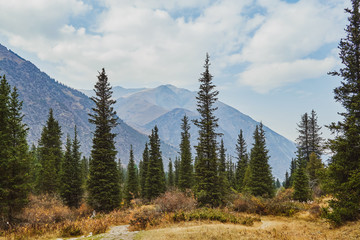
(142, 43)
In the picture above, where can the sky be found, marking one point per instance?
(269, 58)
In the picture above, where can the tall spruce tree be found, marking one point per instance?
(14, 157)
(261, 180)
(186, 168)
(103, 183)
(231, 172)
(207, 187)
(242, 157)
(303, 141)
(132, 183)
(177, 166)
(286, 183)
(155, 179)
(144, 167)
(84, 171)
(50, 154)
(344, 167)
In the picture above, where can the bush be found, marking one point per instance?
(70, 230)
(173, 201)
(144, 216)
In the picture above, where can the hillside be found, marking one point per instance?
(39, 92)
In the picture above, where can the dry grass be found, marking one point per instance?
(281, 228)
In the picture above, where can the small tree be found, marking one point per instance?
(242, 157)
(223, 180)
(301, 181)
(186, 168)
(144, 168)
(132, 183)
(261, 180)
(170, 181)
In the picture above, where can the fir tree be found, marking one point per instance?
(303, 140)
(84, 171)
(144, 170)
(315, 169)
(315, 139)
(286, 183)
(278, 184)
(186, 168)
(71, 190)
(261, 180)
(231, 169)
(344, 167)
(50, 154)
(207, 187)
(301, 180)
(177, 166)
(14, 181)
(132, 183)
(293, 166)
(155, 180)
(170, 175)
(242, 157)
(103, 183)
(223, 179)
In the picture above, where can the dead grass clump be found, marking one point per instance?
(144, 216)
(176, 200)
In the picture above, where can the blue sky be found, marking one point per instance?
(269, 57)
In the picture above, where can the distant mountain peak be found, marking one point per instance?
(6, 53)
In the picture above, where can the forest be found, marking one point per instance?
(52, 190)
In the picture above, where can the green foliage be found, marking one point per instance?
(223, 178)
(144, 168)
(155, 180)
(170, 181)
(177, 166)
(242, 157)
(71, 190)
(344, 167)
(186, 168)
(260, 181)
(50, 154)
(286, 183)
(84, 164)
(132, 181)
(302, 191)
(207, 187)
(14, 155)
(103, 184)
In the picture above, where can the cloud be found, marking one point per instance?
(145, 43)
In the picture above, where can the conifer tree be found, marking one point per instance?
(71, 190)
(344, 167)
(303, 140)
(14, 157)
(155, 180)
(231, 169)
(301, 180)
(293, 166)
(144, 170)
(223, 179)
(84, 171)
(122, 178)
(132, 183)
(103, 184)
(170, 175)
(177, 166)
(242, 157)
(278, 184)
(50, 154)
(261, 179)
(286, 183)
(186, 168)
(207, 187)
(315, 139)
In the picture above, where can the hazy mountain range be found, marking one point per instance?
(139, 110)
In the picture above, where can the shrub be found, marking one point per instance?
(70, 230)
(173, 201)
(144, 216)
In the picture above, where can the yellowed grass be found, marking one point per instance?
(281, 228)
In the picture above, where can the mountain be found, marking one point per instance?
(39, 92)
(166, 105)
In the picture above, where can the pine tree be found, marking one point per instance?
(223, 180)
(242, 157)
(155, 180)
(122, 178)
(132, 183)
(170, 175)
(231, 169)
(177, 166)
(207, 187)
(84, 171)
(286, 183)
(186, 168)
(15, 178)
(50, 154)
(301, 180)
(315, 139)
(144, 170)
(261, 179)
(103, 183)
(278, 184)
(303, 140)
(71, 182)
(315, 169)
(344, 167)
(293, 166)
